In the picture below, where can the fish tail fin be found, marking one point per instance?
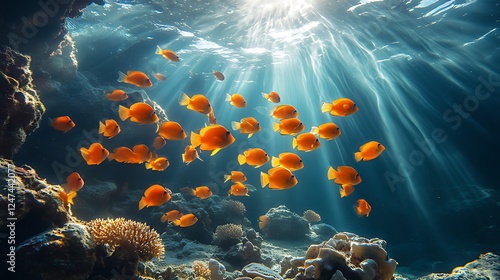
(124, 112)
(102, 128)
(332, 173)
(264, 179)
(226, 178)
(241, 159)
(142, 203)
(315, 130)
(228, 97)
(121, 77)
(326, 107)
(192, 192)
(195, 139)
(71, 195)
(235, 125)
(294, 143)
(177, 222)
(148, 166)
(184, 99)
(275, 161)
(111, 156)
(265, 95)
(159, 50)
(358, 156)
(85, 153)
(276, 126)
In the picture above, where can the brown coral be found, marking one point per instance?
(311, 216)
(228, 234)
(134, 236)
(234, 208)
(201, 270)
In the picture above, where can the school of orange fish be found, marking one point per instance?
(215, 137)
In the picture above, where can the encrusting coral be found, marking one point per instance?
(127, 234)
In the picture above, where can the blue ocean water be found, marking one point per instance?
(424, 74)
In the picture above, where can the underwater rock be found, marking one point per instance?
(354, 256)
(62, 253)
(94, 200)
(217, 270)
(20, 106)
(487, 266)
(259, 270)
(38, 206)
(242, 254)
(284, 224)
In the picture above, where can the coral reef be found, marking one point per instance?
(346, 255)
(61, 253)
(487, 266)
(20, 106)
(233, 208)
(285, 224)
(255, 270)
(137, 238)
(201, 269)
(228, 235)
(311, 216)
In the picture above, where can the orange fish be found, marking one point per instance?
(263, 221)
(117, 95)
(284, 112)
(341, 107)
(279, 178)
(369, 151)
(211, 118)
(171, 216)
(363, 208)
(74, 182)
(202, 192)
(67, 198)
(168, 54)
(238, 189)
(272, 97)
(139, 112)
(136, 78)
(236, 100)
(344, 175)
(247, 125)
(157, 163)
(95, 154)
(290, 126)
(186, 220)
(198, 103)
(159, 142)
(121, 154)
(159, 76)
(346, 190)
(63, 123)
(288, 160)
(254, 157)
(190, 154)
(155, 195)
(305, 142)
(212, 138)
(236, 176)
(171, 131)
(328, 131)
(218, 75)
(110, 129)
(141, 154)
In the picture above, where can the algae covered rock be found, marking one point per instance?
(61, 253)
(285, 225)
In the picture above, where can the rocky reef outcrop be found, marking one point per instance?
(20, 106)
(284, 224)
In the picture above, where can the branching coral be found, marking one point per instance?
(201, 270)
(134, 236)
(233, 207)
(228, 235)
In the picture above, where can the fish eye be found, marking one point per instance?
(338, 129)
(70, 121)
(79, 179)
(300, 160)
(227, 132)
(103, 150)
